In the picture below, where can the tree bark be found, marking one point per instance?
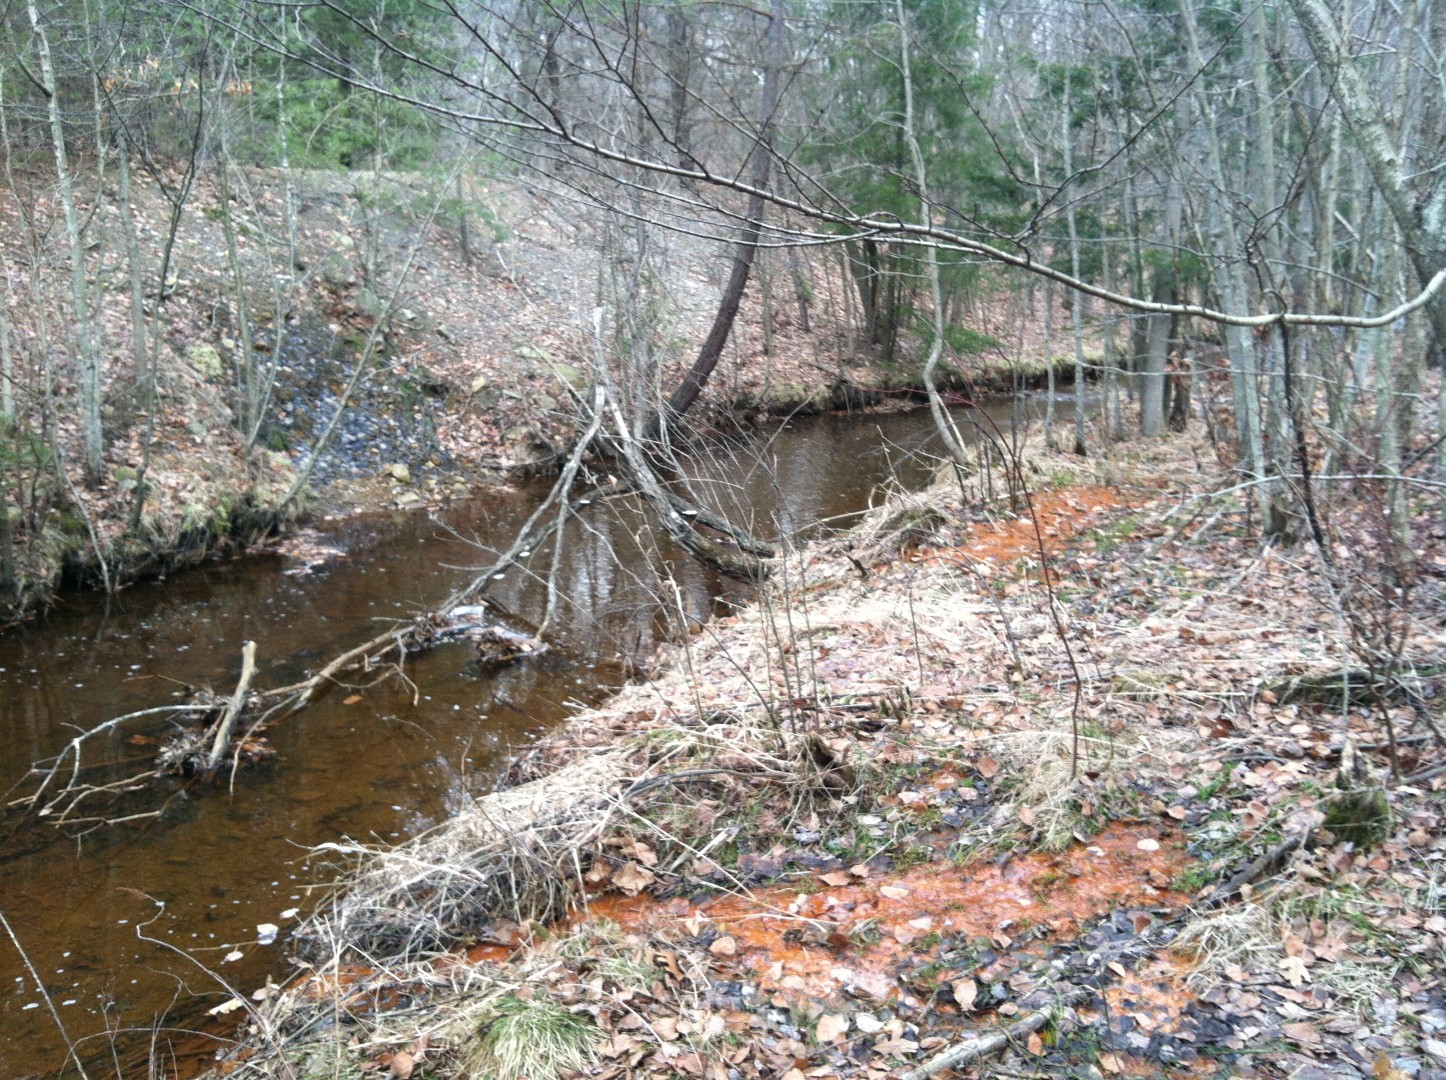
(943, 425)
(1076, 309)
(85, 341)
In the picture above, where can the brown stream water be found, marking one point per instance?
(218, 863)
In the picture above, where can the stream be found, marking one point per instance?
(126, 925)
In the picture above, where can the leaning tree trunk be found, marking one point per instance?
(943, 425)
(746, 249)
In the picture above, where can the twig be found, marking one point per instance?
(976, 1047)
(1263, 865)
(40, 985)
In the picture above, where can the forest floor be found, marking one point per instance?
(925, 803)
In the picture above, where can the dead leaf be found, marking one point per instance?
(1026, 815)
(1303, 1034)
(1294, 970)
(402, 1064)
(1035, 1044)
(837, 879)
(965, 992)
(1382, 1069)
(893, 892)
(351, 699)
(830, 1028)
(724, 946)
(988, 768)
(666, 1028)
(632, 878)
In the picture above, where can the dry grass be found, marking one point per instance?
(514, 853)
(1063, 797)
(1234, 937)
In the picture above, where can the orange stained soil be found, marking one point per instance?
(1061, 513)
(828, 934)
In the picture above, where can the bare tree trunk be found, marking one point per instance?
(7, 358)
(145, 390)
(943, 425)
(680, 62)
(800, 289)
(1230, 282)
(84, 336)
(463, 235)
(1157, 326)
(247, 376)
(288, 190)
(1049, 389)
(1076, 313)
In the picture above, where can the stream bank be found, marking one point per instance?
(366, 763)
(857, 826)
(476, 352)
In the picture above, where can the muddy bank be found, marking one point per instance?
(849, 828)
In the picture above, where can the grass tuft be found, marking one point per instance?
(534, 1038)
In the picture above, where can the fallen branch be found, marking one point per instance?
(979, 1045)
(1264, 865)
(227, 723)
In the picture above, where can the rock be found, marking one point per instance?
(546, 403)
(400, 473)
(528, 445)
(1436, 1049)
(407, 498)
(479, 384)
(532, 352)
(205, 359)
(369, 303)
(124, 473)
(196, 428)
